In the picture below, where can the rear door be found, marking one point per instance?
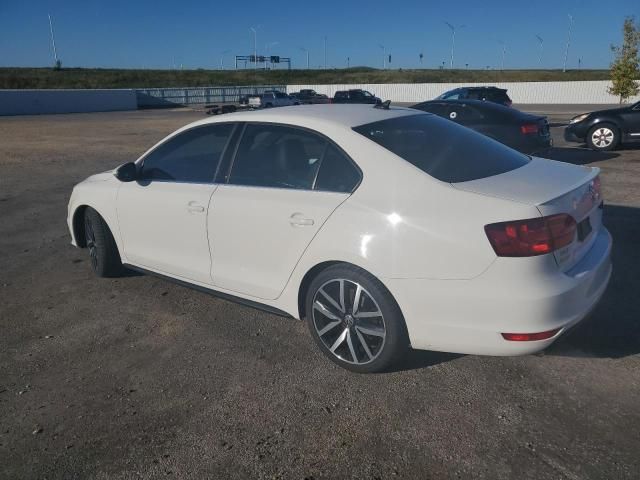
(281, 188)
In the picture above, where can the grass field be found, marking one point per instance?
(121, 78)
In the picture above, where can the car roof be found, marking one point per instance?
(487, 88)
(475, 103)
(315, 116)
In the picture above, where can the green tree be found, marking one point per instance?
(624, 69)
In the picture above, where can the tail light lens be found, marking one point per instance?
(535, 236)
(529, 128)
(530, 337)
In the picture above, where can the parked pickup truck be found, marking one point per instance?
(308, 96)
(355, 96)
(272, 98)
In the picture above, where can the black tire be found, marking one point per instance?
(103, 251)
(373, 353)
(608, 139)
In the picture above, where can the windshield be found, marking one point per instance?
(366, 94)
(443, 149)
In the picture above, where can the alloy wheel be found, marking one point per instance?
(602, 137)
(349, 321)
(90, 238)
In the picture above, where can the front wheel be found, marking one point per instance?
(354, 320)
(103, 251)
(603, 137)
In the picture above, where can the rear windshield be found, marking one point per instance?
(443, 149)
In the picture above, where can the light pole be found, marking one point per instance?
(222, 59)
(255, 46)
(384, 56)
(453, 39)
(307, 52)
(53, 44)
(566, 52)
(325, 52)
(541, 49)
(504, 52)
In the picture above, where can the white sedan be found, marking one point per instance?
(383, 228)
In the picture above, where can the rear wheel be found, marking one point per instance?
(103, 251)
(603, 137)
(354, 320)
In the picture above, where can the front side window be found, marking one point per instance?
(277, 156)
(443, 149)
(190, 156)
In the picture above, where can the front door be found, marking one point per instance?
(163, 215)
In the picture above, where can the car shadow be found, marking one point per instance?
(578, 156)
(418, 359)
(613, 329)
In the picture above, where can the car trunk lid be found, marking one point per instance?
(554, 188)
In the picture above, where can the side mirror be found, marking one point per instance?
(127, 172)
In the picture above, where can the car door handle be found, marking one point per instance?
(298, 220)
(193, 207)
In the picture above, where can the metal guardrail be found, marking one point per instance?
(160, 97)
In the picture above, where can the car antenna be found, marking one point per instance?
(384, 105)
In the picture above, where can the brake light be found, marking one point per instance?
(535, 236)
(529, 128)
(528, 337)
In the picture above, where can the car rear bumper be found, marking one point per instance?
(512, 296)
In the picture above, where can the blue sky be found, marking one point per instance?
(194, 33)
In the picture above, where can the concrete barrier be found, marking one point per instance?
(34, 102)
(591, 92)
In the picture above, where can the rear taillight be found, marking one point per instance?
(535, 236)
(529, 128)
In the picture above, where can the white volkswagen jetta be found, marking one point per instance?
(383, 228)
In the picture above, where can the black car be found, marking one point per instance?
(605, 129)
(521, 131)
(487, 94)
(310, 97)
(355, 96)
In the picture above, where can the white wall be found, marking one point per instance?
(31, 102)
(520, 92)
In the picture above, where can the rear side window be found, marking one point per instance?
(337, 173)
(191, 156)
(277, 156)
(443, 149)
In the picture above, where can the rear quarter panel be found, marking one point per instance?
(402, 223)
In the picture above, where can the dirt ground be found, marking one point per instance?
(139, 378)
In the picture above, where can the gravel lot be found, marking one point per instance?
(137, 377)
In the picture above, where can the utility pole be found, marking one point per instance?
(541, 49)
(53, 44)
(307, 52)
(255, 46)
(566, 52)
(384, 56)
(453, 40)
